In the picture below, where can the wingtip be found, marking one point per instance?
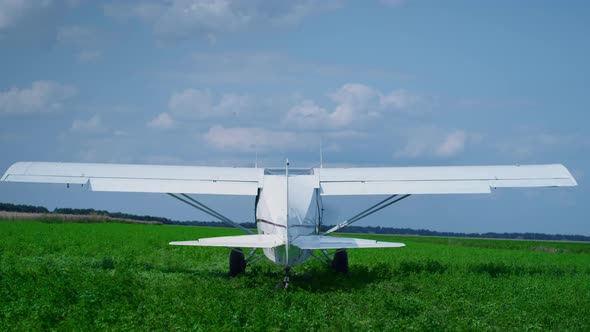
(183, 243)
(569, 175)
(18, 168)
(397, 244)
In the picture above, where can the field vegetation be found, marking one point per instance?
(114, 276)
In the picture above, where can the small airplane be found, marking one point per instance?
(288, 202)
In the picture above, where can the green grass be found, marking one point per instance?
(76, 276)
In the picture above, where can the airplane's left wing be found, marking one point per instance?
(141, 178)
(439, 180)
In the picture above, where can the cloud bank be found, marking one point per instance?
(41, 97)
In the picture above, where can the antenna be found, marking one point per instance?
(321, 155)
(256, 160)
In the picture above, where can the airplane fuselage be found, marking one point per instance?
(289, 207)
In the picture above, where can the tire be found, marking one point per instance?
(340, 261)
(237, 264)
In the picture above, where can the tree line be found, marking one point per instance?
(350, 229)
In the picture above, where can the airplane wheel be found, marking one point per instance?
(237, 264)
(340, 261)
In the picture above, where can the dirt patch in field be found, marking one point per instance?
(549, 249)
(54, 217)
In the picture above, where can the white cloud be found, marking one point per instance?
(354, 93)
(41, 97)
(91, 126)
(163, 122)
(307, 115)
(190, 101)
(12, 11)
(201, 104)
(232, 104)
(179, 19)
(249, 139)
(453, 144)
(432, 142)
(354, 103)
(400, 99)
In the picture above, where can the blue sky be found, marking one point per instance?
(380, 83)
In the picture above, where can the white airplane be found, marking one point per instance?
(288, 204)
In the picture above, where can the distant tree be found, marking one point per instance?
(323, 228)
(22, 208)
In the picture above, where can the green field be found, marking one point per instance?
(109, 276)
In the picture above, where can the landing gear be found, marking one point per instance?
(286, 280)
(340, 261)
(237, 263)
(285, 283)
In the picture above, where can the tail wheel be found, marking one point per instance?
(237, 264)
(340, 261)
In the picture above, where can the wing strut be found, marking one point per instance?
(379, 206)
(204, 208)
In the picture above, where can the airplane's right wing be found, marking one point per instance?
(141, 178)
(439, 180)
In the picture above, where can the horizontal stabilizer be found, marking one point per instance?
(331, 242)
(245, 241)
